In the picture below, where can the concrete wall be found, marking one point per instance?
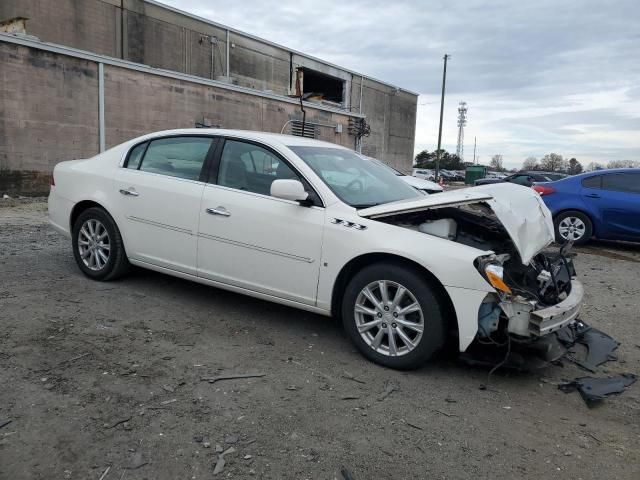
(49, 111)
(155, 35)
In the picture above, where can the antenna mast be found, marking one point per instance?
(462, 121)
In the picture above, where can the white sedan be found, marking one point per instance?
(312, 225)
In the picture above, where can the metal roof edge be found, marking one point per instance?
(116, 62)
(273, 44)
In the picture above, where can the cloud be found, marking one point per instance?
(537, 76)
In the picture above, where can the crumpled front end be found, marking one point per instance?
(532, 300)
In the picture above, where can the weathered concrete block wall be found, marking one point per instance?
(49, 111)
(162, 103)
(155, 35)
(92, 25)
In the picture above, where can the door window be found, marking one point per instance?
(135, 156)
(245, 166)
(181, 157)
(592, 182)
(622, 182)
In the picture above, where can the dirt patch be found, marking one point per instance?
(109, 375)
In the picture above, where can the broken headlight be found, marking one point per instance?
(492, 270)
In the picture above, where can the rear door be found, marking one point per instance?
(616, 198)
(249, 239)
(158, 191)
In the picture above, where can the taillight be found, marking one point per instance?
(52, 181)
(544, 190)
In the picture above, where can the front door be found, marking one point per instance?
(249, 239)
(159, 191)
(618, 201)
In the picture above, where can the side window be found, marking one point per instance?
(245, 166)
(180, 157)
(592, 182)
(135, 156)
(520, 179)
(622, 182)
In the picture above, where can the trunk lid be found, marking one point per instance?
(521, 211)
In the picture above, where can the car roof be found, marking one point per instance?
(265, 137)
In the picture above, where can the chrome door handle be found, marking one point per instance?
(218, 211)
(130, 192)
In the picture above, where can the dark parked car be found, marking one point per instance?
(524, 178)
(603, 204)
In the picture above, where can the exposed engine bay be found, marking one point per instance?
(522, 290)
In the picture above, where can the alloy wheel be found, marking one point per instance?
(94, 244)
(389, 318)
(571, 228)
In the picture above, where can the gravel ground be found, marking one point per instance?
(98, 376)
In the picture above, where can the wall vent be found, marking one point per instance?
(309, 129)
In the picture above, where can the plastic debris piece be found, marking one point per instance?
(594, 390)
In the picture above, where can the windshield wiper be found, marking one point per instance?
(364, 205)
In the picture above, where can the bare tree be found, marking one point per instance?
(574, 167)
(496, 163)
(531, 163)
(623, 164)
(552, 162)
(594, 166)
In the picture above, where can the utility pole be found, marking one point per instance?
(444, 80)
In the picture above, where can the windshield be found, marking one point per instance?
(356, 181)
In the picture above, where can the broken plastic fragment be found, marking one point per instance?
(594, 390)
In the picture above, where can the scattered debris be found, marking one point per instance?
(600, 346)
(218, 448)
(389, 388)
(221, 461)
(350, 397)
(137, 461)
(413, 425)
(232, 377)
(247, 457)
(167, 388)
(445, 413)
(350, 376)
(594, 437)
(206, 444)
(105, 473)
(198, 438)
(4, 423)
(594, 390)
(231, 439)
(116, 423)
(346, 474)
(167, 402)
(292, 387)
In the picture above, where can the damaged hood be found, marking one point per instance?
(520, 209)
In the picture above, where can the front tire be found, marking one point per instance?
(97, 245)
(573, 225)
(393, 315)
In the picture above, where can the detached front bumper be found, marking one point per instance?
(557, 316)
(527, 322)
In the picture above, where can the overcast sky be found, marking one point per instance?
(538, 76)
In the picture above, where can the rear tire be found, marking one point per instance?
(97, 245)
(412, 325)
(573, 225)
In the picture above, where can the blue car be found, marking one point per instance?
(604, 204)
